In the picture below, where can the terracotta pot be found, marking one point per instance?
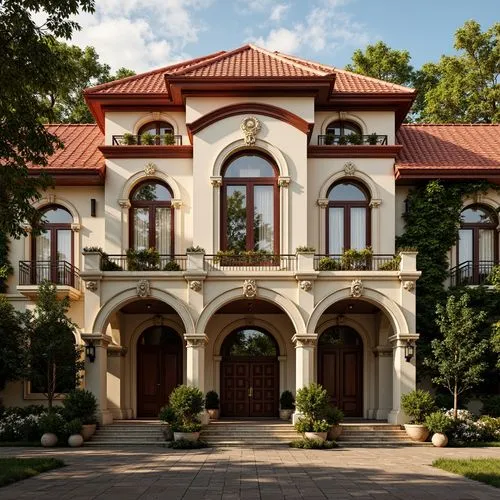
(75, 440)
(213, 413)
(417, 432)
(439, 440)
(320, 436)
(188, 436)
(167, 431)
(88, 430)
(48, 440)
(286, 414)
(334, 432)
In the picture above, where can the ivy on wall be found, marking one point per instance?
(5, 266)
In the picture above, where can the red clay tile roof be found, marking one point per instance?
(81, 142)
(448, 147)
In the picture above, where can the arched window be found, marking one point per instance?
(161, 131)
(249, 342)
(53, 247)
(477, 243)
(343, 127)
(249, 212)
(347, 221)
(151, 215)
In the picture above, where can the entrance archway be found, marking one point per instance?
(249, 374)
(159, 368)
(340, 368)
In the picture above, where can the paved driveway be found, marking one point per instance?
(343, 473)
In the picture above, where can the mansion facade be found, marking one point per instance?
(229, 223)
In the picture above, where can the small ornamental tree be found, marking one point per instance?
(54, 358)
(457, 357)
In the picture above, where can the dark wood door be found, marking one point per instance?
(340, 373)
(249, 388)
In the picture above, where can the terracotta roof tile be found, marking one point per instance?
(81, 143)
(449, 146)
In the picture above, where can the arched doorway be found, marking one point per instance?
(340, 368)
(159, 368)
(249, 374)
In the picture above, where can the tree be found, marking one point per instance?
(28, 66)
(463, 88)
(382, 62)
(14, 342)
(54, 359)
(458, 355)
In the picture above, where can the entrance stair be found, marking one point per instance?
(128, 433)
(377, 434)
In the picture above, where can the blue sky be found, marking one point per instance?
(143, 35)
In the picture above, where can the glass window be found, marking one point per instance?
(249, 342)
(342, 127)
(158, 129)
(339, 336)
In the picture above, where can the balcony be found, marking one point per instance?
(152, 146)
(127, 263)
(63, 274)
(150, 140)
(471, 273)
(352, 140)
(246, 262)
(343, 262)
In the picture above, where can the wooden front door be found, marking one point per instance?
(249, 388)
(340, 369)
(159, 370)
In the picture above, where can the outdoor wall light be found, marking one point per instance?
(90, 351)
(409, 350)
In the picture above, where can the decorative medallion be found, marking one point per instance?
(356, 288)
(150, 168)
(143, 289)
(409, 285)
(195, 285)
(250, 127)
(306, 285)
(349, 168)
(249, 289)
(91, 285)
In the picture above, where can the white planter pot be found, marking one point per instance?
(88, 430)
(334, 432)
(320, 436)
(439, 440)
(417, 432)
(48, 440)
(285, 414)
(188, 436)
(75, 440)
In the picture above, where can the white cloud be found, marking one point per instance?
(281, 39)
(278, 11)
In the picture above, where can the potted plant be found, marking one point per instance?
(334, 416)
(129, 139)
(168, 418)
(328, 264)
(311, 403)
(343, 140)
(171, 265)
(355, 139)
(74, 428)
(147, 139)
(286, 405)
(82, 404)
(143, 260)
(169, 139)
(312, 429)
(51, 424)
(187, 403)
(439, 424)
(212, 405)
(373, 139)
(329, 139)
(417, 405)
(357, 260)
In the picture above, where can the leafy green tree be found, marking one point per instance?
(14, 342)
(54, 358)
(466, 87)
(28, 66)
(457, 357)
(5, 265)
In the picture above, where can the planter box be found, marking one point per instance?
(417, 432)
(320, 436)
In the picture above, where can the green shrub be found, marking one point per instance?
(312, 401)
(212, 401)
(491, 405)
(171, 265)
(307, 424)
(143, 260)
(80, 404)
(74, 426)
(373, 139)
(391, 265)
(169, 139)
(52, 422)
(286, 400)
(187, 403)
(185, 426)
(329, 139)
(417, 405)
(305, 249)
(313, 444)
(489, 428)
(438, 422)
(343, 140)
(355, 139)
(167, 414)
(328, 264)
(334, 415)
(196, 249)
(356, 259)
(147, 139)
(184, 444)
(129, 139)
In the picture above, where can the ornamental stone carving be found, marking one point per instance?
(349, 168)
(374, 203)
(216, 182)
(409, 285)
(91, 285)
(283, 182)
(124, 203)
(150, 169)
(195, 285)
(250, 127)
(323, 202)
(306, 285)
(75, 226)
(196, 340)
(143, 289)
(356, 288)
(305, 340)
(176, 203)
(250, 289)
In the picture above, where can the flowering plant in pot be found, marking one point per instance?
(287, 404)
(212, 404)
(187, 403)
(439, 424)
(417, 404)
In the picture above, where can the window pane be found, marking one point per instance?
(236, 215)
(64, 245)
(346, 192)
(486, 244)
(42, 246)
(166, 128)
(163, 230)
(477, 215)
(465, 245)
(141, 228)
(57, 215)
(358, 228)
(249, 342)
(152, 191)
(250, 166)
(335, 230)
(263, 224)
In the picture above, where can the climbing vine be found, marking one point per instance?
(5, 266)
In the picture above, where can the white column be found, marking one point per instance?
(217, 360)
(375, 205)
(323, 205)
(217, 184)
(384, 382)
(282, 371)
(96, 374)
(125, 207)
(195, 359)
(305, 354)
(283, 183)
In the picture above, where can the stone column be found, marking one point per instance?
(217, 387)
(305, 362)
(282, 370)
(384, 382)
(195, 359)
(284, 183)
(217, 184)
(323, 205)
(96, 374)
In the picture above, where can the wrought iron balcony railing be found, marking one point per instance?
(58, 272)
(126, 263)
(250, 262)
(471, 272)
(140, 140)
(373, 262)
(352, 140)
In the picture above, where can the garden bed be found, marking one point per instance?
(15, 469)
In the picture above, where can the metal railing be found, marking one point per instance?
(352, 140)
(124, 263)
(138, 140)
(244, 262)
(374, 262)
(58, 272)
(471, 273)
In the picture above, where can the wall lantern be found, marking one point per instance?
(409, 350)
(93, 207)
(90, 351)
